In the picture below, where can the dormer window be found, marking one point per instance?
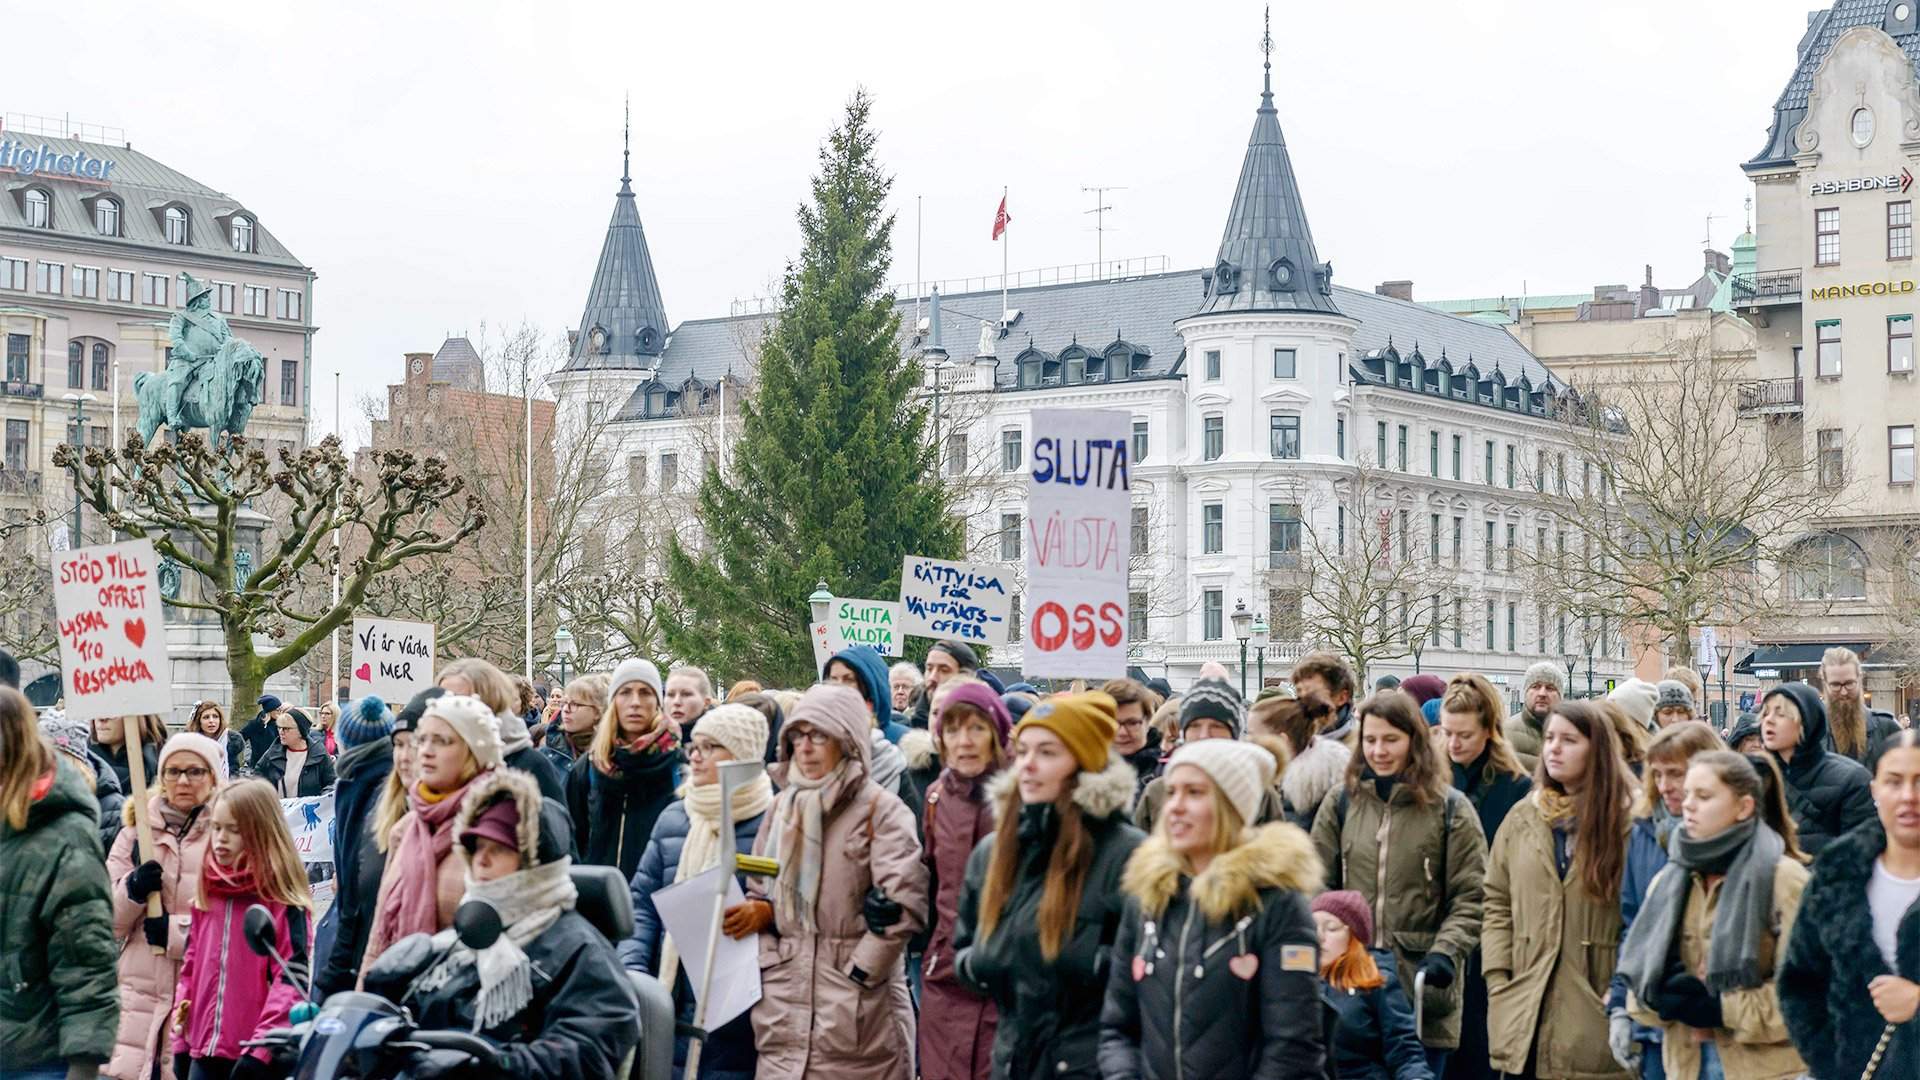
(1096, 369)
(240, 232)
(1282, 274)
(39, 209)
(106, 216)
(1226, 278)
(175, 221)
(597, 340)
(649, 341)
(1074, 359)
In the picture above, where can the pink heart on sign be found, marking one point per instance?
(364, 673)
(1246, 965)
(136, 631)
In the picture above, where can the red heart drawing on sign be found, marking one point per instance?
(136, 631)
(364, 673)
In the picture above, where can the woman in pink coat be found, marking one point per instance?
(191, 766)
(834, 923)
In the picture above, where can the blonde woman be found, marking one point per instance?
(617, 789)
(493, 686)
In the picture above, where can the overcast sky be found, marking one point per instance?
(447, 165)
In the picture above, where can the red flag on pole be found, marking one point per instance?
(1000, 219)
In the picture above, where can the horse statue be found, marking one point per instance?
(212, 379)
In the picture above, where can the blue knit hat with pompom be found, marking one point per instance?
(363, 722)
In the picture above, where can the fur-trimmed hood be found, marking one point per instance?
(1099, 795)
(1312, 773)
(540, 841)
(917, 747)
(1274, 856)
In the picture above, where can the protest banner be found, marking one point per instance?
(970, 602)
(1079, 502)
(113, 633)
(874, 623)
(392, 658)
(821, 635)
(310, 820)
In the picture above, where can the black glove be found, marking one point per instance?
(1438, 968)
(434, 1064)
(858, 974)
(143, 881)
(157, 930)
(881, 913)
(1684, 999)
(248, 1067)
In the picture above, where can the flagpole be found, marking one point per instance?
(526, 390)
(1003, 262)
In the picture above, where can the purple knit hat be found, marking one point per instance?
(1424, 688)
(980, 696)
(1351, 908)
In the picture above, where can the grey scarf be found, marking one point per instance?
(1747, 855)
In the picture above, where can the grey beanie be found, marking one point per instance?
(1545, 673)
(636, 670)
(1673, 693)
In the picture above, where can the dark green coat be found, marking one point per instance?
(59, 992)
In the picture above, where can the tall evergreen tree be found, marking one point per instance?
(832, 478)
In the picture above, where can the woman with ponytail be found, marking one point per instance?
(1701, 955)
(1375, 1038)
(1042, 903)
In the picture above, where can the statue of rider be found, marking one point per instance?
(197, 333)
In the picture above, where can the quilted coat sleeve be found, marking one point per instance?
(590, 1023)
(896, 868)
(641, 952)
(82, 957)
(1120, 1014)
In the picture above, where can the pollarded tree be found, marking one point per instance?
(191, 499)
(833, 476)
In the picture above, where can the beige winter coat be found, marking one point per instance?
(1548, 948)
(146, 980)
(813, 1019)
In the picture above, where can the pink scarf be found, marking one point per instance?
(409, 900)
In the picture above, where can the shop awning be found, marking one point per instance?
(1792, 655)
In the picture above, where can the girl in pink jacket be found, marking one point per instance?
(228, 995)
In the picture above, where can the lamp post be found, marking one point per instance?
(563, 648)
(1573, 665)
(1261, 636)
(79, 443)
(1242, 629)
(1726, 657)
(821, 602)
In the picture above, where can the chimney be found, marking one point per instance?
(1399, 290)
(1718, 262)
(1649, 295)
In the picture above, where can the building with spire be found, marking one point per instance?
(1260, 389)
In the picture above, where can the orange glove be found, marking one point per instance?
(181, 1013)
(746, 918)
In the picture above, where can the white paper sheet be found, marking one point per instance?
(686, 910)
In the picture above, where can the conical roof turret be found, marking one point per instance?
(625, 322)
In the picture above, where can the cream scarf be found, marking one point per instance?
(799, 839)
(528, 901)
(702, 847)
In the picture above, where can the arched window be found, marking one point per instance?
(102, 365)
(1031, 364)
(76, 363)
(1827, 567)
(39, 209)
(176, 220)
(1074, 358)
(241, 233)
(106, 216)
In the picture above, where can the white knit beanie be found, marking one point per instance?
(1241, 770)
(476, 725)
(192, 742)
(636, 670)
(739, 728)
(1637, 697)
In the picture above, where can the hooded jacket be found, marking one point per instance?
(1049, 1010)
(358, 861)
(1828, 792)
(814, 1018)
(316, 776)
(1223, 982)
(147, 981)
(613, 815)
(871, 670)
(59, 1001)
(1375, 1039)
(583, 1020)
(1831, 958)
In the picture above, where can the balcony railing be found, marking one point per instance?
(1768, 287)
(1771, 396)
(19, 482)
(16, 388)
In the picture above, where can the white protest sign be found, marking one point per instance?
(113, 634)
(391, 658)
(874, 623)
(310, 820)
(1078, 506)
(686, 911)
(970, 602)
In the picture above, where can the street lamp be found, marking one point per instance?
(1261, 637)
(1242, 629)
(79, 443)
(564, 647)
(1726, 657)
(1573, 665)
(821, 601)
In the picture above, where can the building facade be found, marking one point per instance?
(1833, 298)
(1281, 423)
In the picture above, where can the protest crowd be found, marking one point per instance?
(937, 875)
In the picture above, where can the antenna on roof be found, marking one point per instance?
(626, 146)
(1266, 51)
(1708, 242)
(1099, 213)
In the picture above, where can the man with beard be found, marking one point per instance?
(1526, 729)
(1325, 675)
(945, 660)
(1857, 731)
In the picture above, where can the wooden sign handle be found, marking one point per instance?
(137, 772)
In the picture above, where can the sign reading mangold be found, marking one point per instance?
(1864, 288)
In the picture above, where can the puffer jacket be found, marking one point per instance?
(613, 815)
(59, 999)
(1549, 948)
(1831, 957)
(814, 1018)
(1827, 791)
(111, 797)
(358, 861)
(1049, 1010)
(956, 1025)
(1375, 1039)
(316, 776)
(233, 994)
(727, 1053)
(1752, 1039)
(1304, 783)
(1493, 794)
(1215, 974)
(147, 980)
(1420, 868)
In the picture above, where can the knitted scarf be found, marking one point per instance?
(663, 739)
(797, 844)
(702, 847)
(409, 901)
(528, 901)
(223, 880)
(1747, 854)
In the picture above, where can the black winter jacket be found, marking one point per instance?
(613, 816)
(316, 776)
(112, 800)
(358, 861)
(1223, 982)
(535, 762)
(1492, 793)
(116, 756)
(1832, 957)
(1375, 1039)
(1827, 791)
(1049, 1010)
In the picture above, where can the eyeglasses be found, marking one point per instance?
(175, 774)
(704, 748)
(814, 738)
(1133, 725)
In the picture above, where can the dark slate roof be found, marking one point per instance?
(624, 301)
(144, 188)
(1140, 311)
(1823, 29)
(457, 362)
(1267, 261)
